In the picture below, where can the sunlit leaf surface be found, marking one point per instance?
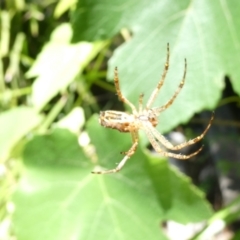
(204, 32)
(58, 197)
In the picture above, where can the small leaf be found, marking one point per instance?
(73, 121)
(58, 64)
(63, 6)
(14, 127)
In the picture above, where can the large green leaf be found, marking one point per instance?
(180, 199)
(205, 32)
(58, 198)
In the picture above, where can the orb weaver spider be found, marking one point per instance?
(145, 118)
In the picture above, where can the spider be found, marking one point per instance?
(145, 118)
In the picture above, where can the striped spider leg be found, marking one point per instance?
(145, 118)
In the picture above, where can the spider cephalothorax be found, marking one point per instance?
(145, 118)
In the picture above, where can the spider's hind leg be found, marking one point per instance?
(161, 151)
(133, 149)
(169, 145)
(128, 154)
(122, 163)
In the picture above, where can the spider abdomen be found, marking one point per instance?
(123, 122)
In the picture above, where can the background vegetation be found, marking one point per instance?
(56, 71)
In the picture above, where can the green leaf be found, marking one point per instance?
(59, 63)
(59, 147)
(180, 199)
(63, 6)
(236, 235)
(14, 127)
(73, 120)
(204, 32)
(58, 198)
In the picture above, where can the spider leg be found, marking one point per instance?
(140, 102)
(157, 110)
(134, 136)
(156, 90)
(128, 154)
(119, 93)
(158, 149)
(169, 145)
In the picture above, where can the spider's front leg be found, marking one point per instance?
(128, 154)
